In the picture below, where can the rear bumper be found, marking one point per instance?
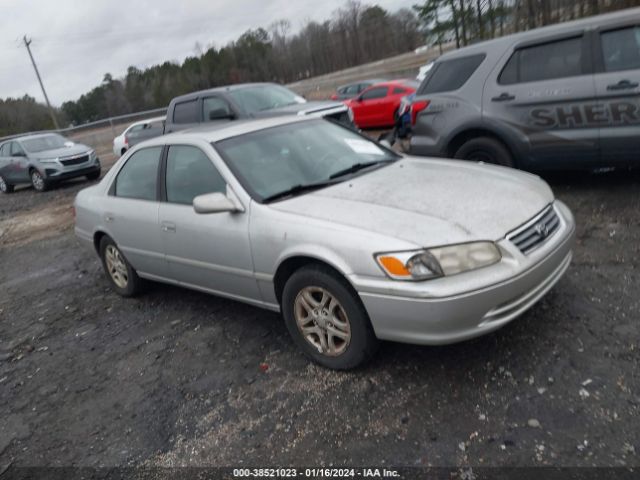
(450, 319)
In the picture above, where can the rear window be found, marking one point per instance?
(450, 75)
(185, 112)
(548, 61)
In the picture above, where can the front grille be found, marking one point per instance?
(75, 161)
(536, 231)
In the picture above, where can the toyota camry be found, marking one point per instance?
(350, 241)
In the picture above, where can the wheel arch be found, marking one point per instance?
(475, 132)
(288, 266)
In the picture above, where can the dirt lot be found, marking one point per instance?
(176, 377)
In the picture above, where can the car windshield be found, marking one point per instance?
(264, 97)
(298, 157)
(45, 142)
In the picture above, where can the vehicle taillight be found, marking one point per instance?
(416, 108)
(126, 141)
(334, 97)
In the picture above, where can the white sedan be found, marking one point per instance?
(120, 144)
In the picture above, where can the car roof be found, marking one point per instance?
(542, 32)
(224, 88)
(211, 133)
(147, 120)
(35, 135)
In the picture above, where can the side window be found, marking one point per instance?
(186, 112)
(138, 177)
(352, 89)
(136, 128)
(551, 60)
(450, 75)
(377, 92)
(16, 149)
(621, 49)
(4, 150)
(215, 108)
(190, 173)
(398, 90)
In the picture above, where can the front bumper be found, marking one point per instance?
(54, 172)
(438, 320)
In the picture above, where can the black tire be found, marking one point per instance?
(134, 284)
(4, 186)
(93, 175)
(123, 151)
(485, 149)
(38, 181)
(362, 343)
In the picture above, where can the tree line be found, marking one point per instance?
(354, 34)
(469, 21)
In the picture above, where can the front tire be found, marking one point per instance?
(120, 273)
(4, 186)
(326, 319)
(485, 149)
(93, 176)
(38, 181)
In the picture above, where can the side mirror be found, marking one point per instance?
(69, 143)
(221, 114)
(214, 203)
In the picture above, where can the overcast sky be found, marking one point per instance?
(75, 42)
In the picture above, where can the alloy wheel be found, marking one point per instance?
(37, 180)
(116, 266)
(322, 321)
(3, 185)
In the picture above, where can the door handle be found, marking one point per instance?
(622, 85)
(168, 227)
(504, 97)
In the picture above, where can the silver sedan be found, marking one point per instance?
(350, 241)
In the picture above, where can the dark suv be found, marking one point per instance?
(247, 100)
(565, 96)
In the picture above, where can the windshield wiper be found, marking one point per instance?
(357, 167)
(295, 190)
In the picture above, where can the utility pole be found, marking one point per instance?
(51, 112)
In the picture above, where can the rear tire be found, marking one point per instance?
(485, 149)
(120, 273)
(38, 181)
(320, 302)
(4, 186)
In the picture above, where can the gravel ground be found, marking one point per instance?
(176, 377)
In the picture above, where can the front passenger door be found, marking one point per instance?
(369, 107)
(208, 251)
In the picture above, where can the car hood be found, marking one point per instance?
(76, 149)
(429, 202)
(306, 108)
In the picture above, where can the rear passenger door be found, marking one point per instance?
(130, 212)
(19, 163)
(543, 92)
(5, 161)
(186, 114)
(617, 79)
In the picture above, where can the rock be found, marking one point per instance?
(584, 393)
(533, 423)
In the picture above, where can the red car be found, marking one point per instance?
(377, 106)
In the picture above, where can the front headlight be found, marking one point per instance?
(48, 160)
(439, 261)
(92, 156)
